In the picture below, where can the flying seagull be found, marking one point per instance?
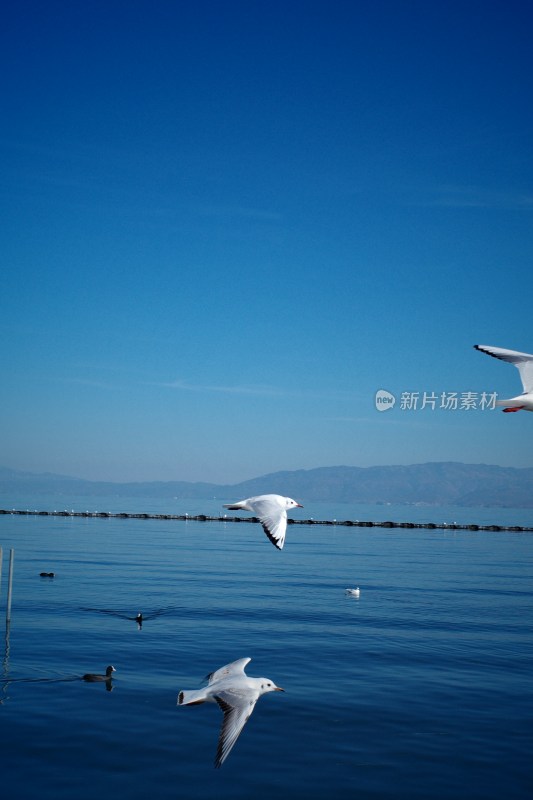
(524, 363)
(272, 512)
(236, 694)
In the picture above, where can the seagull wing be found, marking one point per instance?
(522, 361)
(275, 527)
(273, 518)
(235, 668)
(237, 708)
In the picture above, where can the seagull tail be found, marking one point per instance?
(510, 402)
(191, 697)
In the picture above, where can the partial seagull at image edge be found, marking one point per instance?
(272, 512)
(524, 364)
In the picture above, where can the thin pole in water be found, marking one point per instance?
(0, 570)
(10, 585)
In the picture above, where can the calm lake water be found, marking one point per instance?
(421, 688)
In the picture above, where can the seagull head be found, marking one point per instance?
(290, 503)
(268, 686)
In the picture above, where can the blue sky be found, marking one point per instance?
(227, 225)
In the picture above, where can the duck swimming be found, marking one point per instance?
(91, 677)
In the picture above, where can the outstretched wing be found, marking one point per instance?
(522, 361)
(275, 527)
(235, 668)
(272, 517)
(237, 709)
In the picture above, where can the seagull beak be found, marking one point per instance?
(299, 505)
(279, 689)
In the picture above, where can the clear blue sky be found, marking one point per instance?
(225, 225)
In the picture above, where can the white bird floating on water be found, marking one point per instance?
(354, 592)
(272, 512)
(236, 694)
(524, 363)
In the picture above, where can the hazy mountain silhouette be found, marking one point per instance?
(435, 483)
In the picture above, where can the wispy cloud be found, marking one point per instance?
(376, 418)
(89, 382)
(250, 389)
(347, 419)
(239, 212)
(455, 196)
(260, 389)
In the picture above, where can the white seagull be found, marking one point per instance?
(524, 363)
(272, 512)
(236, 694)
(354, 592)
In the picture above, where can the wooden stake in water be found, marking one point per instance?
(10, 585)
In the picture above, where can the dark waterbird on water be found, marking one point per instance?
(92, 677)
(138, 618)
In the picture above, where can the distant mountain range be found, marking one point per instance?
(434, 483)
